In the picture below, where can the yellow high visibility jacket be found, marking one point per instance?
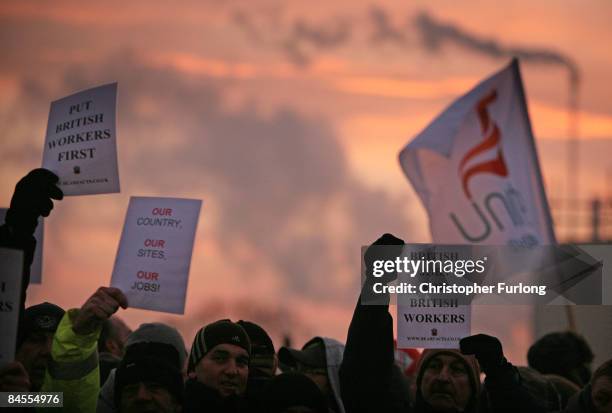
(74, 368)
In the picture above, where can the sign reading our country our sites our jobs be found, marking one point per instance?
(154, 255)
(80, 144)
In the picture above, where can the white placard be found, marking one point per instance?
(81, 142)
(11, 265)
(152, 263)
(422, 324)
(36, 268)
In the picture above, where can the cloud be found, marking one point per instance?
(279, 184)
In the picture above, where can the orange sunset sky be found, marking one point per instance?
(285, 118)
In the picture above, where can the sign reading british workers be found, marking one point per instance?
(11, 263)
(476, 170)
(36, 267)
(154, 255)
(81, 142)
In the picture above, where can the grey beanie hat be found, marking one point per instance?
(159, 333)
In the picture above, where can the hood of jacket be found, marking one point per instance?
(334, 350)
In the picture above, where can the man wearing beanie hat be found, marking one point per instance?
(35, 335)
(149, 333)
(148, 380)
(218, 369)
(447, 381)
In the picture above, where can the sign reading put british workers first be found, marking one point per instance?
(11, 263)
(476, 170)
(154, 255)
(81, 142)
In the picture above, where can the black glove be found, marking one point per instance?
(488, 351)
(387, 247)
(32, 198)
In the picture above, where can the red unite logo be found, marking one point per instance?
(492, 137)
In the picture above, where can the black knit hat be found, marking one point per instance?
(219, 332)
(261, 343)
(43, 317)
(149, 363)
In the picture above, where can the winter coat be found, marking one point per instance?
(581, 402)
(199, 398)
(106, 397)
(370, 381)
(74, 369)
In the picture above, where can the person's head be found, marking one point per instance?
(565, 354)
(147, 380)
(601, 388)
(113, 336)
(160, 333)
(310, 361)
(35, 337)
(263, 361)
(219, 357)
(293, 393)
(447, 381)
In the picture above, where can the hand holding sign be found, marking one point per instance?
(32, 198)
(14, 378)
(487, 349)
(385, 248)
(99, 307)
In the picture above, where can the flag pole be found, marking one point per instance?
(569, 310)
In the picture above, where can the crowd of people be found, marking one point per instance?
(100, 365)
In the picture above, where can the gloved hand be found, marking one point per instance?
(387, 247)
(31, 199)
(487, 349)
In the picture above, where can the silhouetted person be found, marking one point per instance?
(32, 199)
(565, 354)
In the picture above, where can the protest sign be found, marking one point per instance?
(11, 263)
(154, 255)
(476, 170)
(81, 142)
(425, 324)
(36, 268)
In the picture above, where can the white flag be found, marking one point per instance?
(476, 170)
(80, 145)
